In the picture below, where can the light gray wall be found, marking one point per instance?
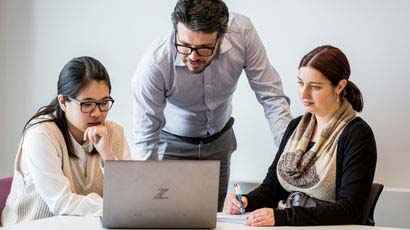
(38, 37)
(373, 34)
(393, 208)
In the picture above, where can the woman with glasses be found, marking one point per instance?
(59, 163)
(324, 168)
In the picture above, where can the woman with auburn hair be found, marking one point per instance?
(326, 161)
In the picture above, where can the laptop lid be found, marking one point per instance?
(160, 194)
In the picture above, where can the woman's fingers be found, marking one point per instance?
(94, 134)
(86, 135)
(232, 204)
(261, 217)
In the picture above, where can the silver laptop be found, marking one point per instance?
(160, 194)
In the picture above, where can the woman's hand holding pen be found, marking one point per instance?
(232, 205)
(259, 217)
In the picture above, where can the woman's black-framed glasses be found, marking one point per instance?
(201, 51)
(89, 106)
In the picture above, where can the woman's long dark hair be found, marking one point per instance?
(75, 75)
(333, 64)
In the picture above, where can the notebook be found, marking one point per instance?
(236, 219)
(160, 194)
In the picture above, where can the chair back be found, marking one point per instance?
(5, 186)
(370, 204)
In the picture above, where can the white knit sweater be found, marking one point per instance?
(68, 190)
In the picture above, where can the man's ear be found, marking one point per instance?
(61, 101)
(221, 40)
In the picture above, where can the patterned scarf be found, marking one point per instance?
(314, 172)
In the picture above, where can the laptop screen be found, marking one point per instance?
(160, 194)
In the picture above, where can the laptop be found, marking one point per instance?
(160, 194)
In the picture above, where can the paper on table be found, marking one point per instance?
(227, 218)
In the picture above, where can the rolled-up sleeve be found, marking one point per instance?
(266, 83)
(148, 104)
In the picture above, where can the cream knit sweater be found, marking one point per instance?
(25, 203)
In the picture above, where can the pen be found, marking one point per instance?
(238, 196)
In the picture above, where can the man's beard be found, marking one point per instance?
(198, 71)
(194, 71)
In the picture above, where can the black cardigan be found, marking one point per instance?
(355, 167)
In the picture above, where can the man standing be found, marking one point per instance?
(184, 83)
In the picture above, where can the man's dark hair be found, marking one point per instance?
(206, 16)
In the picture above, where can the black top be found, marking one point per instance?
(355, 167)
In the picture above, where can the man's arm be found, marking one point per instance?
(148, 103)
(266, 83)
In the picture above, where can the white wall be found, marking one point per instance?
(373, 34)
(38, 37)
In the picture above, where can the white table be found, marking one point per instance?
(94, 223)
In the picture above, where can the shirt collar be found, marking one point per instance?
(87, 146)
(225, 46)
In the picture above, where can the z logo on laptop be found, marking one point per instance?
(162, 191)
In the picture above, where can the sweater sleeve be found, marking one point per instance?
(270, 191)
(356, 163)
(42, 169)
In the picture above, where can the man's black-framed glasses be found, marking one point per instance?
(201, 51)
(88, 106)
